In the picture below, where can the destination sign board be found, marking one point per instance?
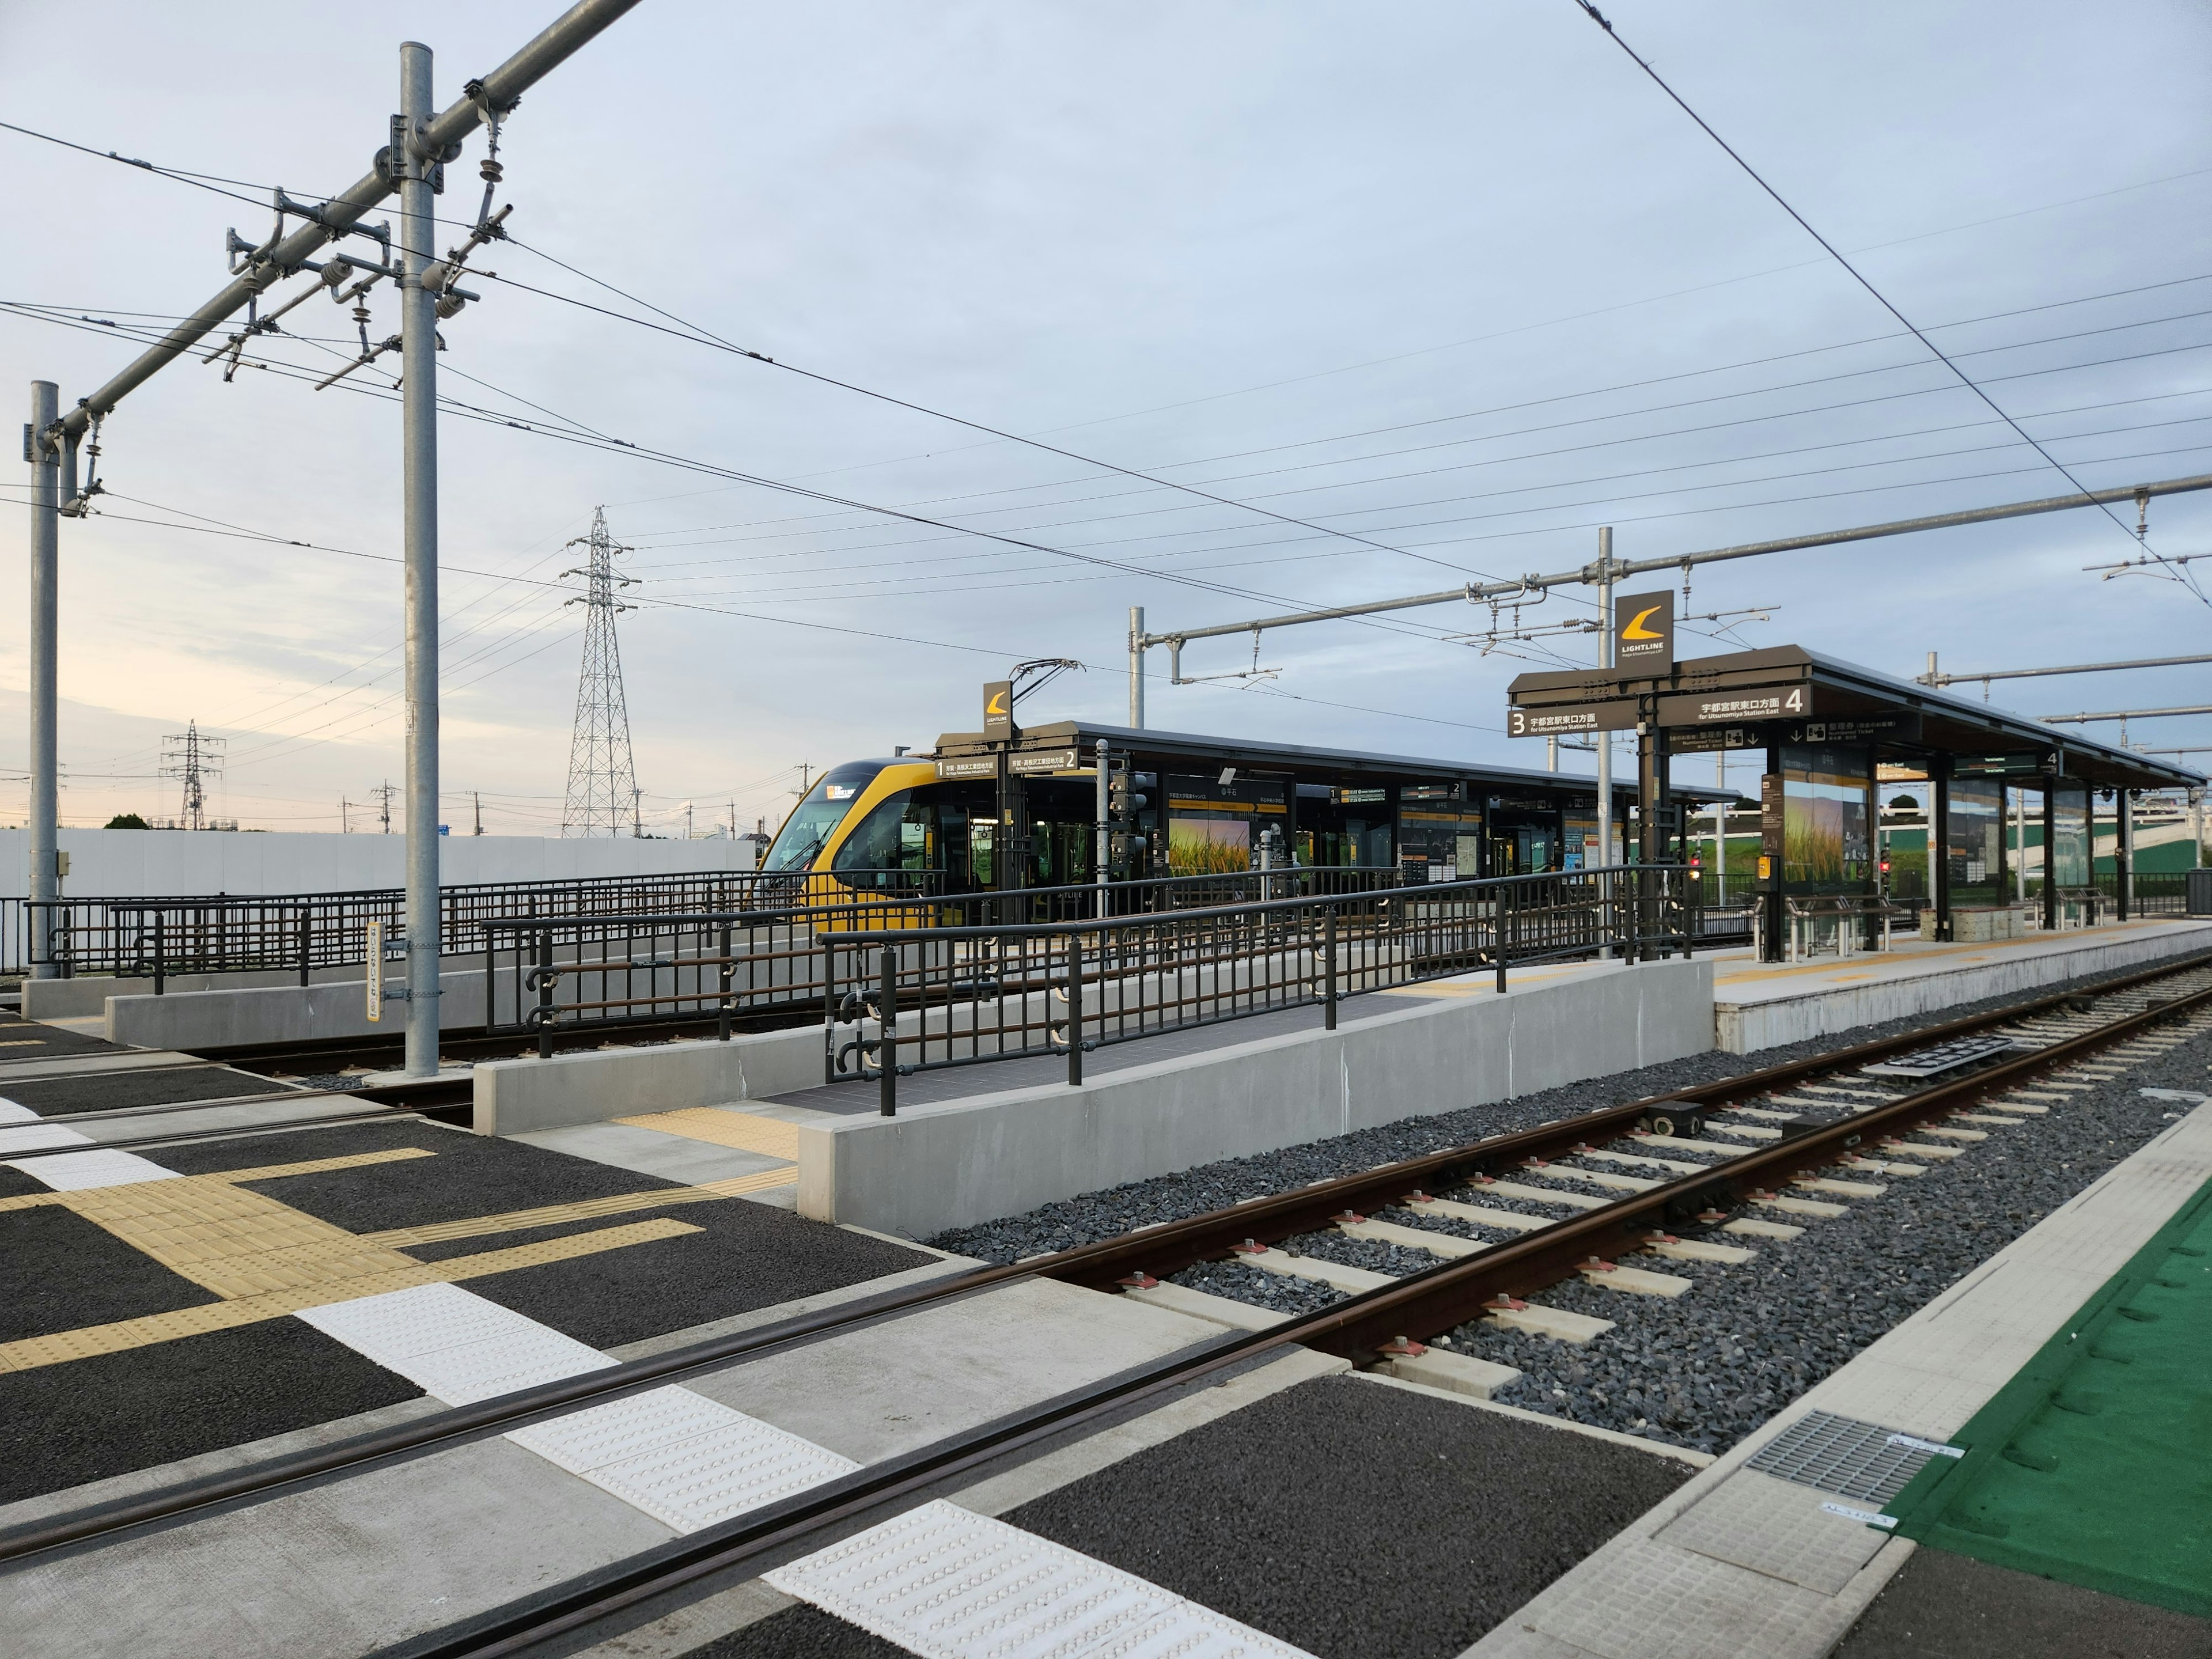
(1043, 760)
(1706, 739)
(1021, 762)
(1903, 726)
(1616, 715)
(1737, 708)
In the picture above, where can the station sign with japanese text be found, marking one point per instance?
(1737, 708)
(1616, 715)
(1043, 760)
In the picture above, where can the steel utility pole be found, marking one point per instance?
(44, 884)
(1604, 660)
(428, 139)
(1137, 668)
(412, 160)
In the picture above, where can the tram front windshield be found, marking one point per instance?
(800, 842)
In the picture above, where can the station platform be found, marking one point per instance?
(2016, 1471)
(1765, 1005)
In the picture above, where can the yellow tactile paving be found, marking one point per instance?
(230, 1241)
(29, 1354)
(322, 1166)
(549, 1215)
(769, 1136)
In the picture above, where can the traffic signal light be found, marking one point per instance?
(1124, 798)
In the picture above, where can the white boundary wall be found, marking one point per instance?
(956, 1163)
(148, 863)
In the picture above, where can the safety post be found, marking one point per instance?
(728, 968)
(1328, 969)
(1075, 1011)
(887, 1048)
(544, 978)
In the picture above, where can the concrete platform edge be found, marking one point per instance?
(952, 1164)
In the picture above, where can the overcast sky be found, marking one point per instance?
(1456, 280)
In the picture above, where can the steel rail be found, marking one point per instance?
(1442, 1298)
(1103, 1262)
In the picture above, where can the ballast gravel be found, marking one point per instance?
(1703, 1369)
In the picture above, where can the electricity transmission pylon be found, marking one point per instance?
(192, 759)
(602, 781)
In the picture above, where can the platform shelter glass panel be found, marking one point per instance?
(2070, 839)
(1975, 841)
(1827, 818)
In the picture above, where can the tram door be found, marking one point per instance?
(1523, 849)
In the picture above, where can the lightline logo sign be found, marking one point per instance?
(1643, 631)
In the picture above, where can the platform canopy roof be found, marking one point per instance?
(1788, 695)
(1301, 759)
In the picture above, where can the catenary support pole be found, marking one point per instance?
(418, 334)
(1137, 668)
(46, 553)
(1604, 739)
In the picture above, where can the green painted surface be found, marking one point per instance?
(2093, 1465)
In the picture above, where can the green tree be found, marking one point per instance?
(128, 820)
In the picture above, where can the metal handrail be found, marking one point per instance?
(1156, 968)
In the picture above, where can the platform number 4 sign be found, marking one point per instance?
(374, 953)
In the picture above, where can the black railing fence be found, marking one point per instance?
(964, 994)
(160, 938)
(303, 933)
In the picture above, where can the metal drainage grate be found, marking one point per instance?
(1943, 1057)
(1846, 1457)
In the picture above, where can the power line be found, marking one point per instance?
(1856, 275)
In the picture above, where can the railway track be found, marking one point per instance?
(1763, 1153)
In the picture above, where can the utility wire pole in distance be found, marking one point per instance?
(192, 759)
(602, 778)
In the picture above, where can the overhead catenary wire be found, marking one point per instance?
(1590, 8)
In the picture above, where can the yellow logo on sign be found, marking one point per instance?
(997, 705)
(1637, 630)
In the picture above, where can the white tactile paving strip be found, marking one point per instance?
(32, 1138)
(71, 1172)
(687, 1460)
(452, 1343)
(949, 1584)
